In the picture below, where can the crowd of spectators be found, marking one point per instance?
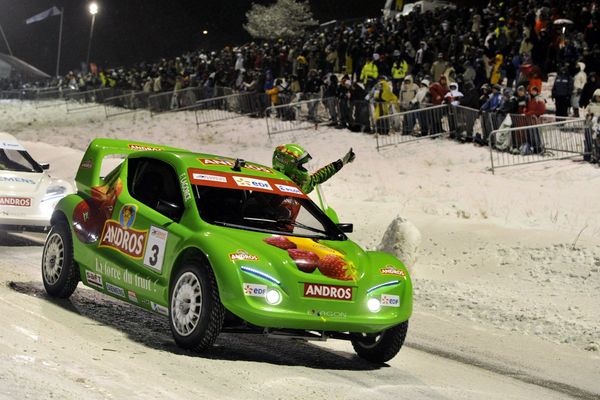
(493, 57)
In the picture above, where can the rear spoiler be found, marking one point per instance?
(88, 174)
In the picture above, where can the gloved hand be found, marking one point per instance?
(349, 157)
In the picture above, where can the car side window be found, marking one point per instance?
(154, 183)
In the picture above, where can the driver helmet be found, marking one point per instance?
(289, 158)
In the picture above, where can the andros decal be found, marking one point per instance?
(15, 201)
(320, 291)
(390, 300)
(254, 290)
(231, 163)
(120, 236)
(140, 147)
(391, 270)
(94, 279)
(242, 255)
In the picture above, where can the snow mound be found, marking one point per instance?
(402, 239)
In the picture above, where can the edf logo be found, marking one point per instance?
(254, 290)
(389, 300)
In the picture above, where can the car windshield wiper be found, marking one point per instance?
(285, 221)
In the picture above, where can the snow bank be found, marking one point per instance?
(402, 239)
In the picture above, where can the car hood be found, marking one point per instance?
(23, 183)
(326, 261)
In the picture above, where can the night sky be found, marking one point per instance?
(130, 31)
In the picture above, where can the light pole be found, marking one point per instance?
(93, 9)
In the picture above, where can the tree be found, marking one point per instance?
(284, 19)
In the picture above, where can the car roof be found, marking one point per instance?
(8, 141)
(88, 174)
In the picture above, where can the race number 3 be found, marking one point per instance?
(155, 249)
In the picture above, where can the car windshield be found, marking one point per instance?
(264, 212)
(18, 161)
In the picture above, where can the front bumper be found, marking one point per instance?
(298, 312)
(22, 223)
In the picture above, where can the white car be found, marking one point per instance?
(27, 193)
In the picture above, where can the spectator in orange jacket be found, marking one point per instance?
(438, 91)
(536, 104)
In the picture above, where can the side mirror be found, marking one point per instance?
(45, 166)
(346, 228)
(169, 209)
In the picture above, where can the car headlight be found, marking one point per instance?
(273, 297)
(373, 304)
(54, 192)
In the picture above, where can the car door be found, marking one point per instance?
(144, 231)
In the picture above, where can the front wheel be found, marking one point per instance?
(60, 273)
(383, 346)
(195, 312)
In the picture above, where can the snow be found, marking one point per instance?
(516, 253)
(402, 239)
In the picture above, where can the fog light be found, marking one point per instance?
(373, 305)
(273, 297)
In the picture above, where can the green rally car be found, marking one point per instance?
(216, 245)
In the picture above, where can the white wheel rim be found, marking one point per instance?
(54, 258)
(186, 304)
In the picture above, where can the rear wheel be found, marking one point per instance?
(60, 273)
(195, 312)
(383, 346)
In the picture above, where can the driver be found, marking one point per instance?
(290, 159)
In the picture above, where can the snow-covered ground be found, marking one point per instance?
(514, 255)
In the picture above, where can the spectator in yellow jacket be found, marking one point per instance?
(369, 73)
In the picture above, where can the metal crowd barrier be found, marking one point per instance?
(298, 115)
(126, 103)
(538, 142)
(47, 97)
(176, 100)
(230, 107)
(410, 126)
(76, 101)
(11, 94)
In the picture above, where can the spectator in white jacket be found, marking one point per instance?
(408, 91)
(579, 82)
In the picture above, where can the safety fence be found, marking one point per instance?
(82, 100)
(229, 107)
(128, 102)
(175, 100)
(410, 126)
(539, 142)
(298, 115)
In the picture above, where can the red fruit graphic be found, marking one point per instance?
(335, 267)
(305, 260)
(88, 221)
(280, 241)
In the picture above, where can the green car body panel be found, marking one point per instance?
(131, 251)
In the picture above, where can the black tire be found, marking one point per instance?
(381, 347)
(60, 273)
(196, 277)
